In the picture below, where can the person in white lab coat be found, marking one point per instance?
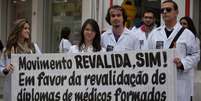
(18, 42)
(118, 38)
(90, 38)
(65, 44)
(187, 22)
(143, 33)
(188, 54)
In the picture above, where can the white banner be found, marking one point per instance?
(113, 76)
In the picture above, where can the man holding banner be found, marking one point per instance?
(172, 35)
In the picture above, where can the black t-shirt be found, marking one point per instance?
(168, 33)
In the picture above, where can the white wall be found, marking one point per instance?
(181, 6)
(86, 10)
(96, 9)
(105, 6)
(37, 22)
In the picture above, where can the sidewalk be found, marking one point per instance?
(197, 96)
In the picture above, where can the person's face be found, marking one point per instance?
(24, 34)
(184, 23)
(168, 12)
(116, 17)
(89, 33)
(148, 19)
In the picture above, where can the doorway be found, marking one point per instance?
(59, 14)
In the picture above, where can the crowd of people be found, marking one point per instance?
(172, 34)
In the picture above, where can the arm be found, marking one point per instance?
(5, 66)
(193, 54)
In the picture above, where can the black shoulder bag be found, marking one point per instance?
(176, 37)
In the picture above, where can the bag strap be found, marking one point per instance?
(33, 48)
(176, 37)
(62, 46)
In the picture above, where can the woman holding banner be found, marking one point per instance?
(90, 38)
(19, 42)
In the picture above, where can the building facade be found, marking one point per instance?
(48, 17)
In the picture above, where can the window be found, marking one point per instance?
(136, 9)
(59, 14)
(19, 9)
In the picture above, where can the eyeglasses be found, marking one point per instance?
(166, 10)
(148, 17)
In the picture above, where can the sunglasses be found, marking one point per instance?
(166, 10)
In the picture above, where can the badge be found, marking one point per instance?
(109, 48)
(159, 44)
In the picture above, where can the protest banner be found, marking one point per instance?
(114, 76)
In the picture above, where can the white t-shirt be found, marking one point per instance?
(64, 46)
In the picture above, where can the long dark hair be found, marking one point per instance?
(107, 18)
(96, 41)
(191, 26)
(13, 36)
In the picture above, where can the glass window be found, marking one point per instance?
(59, 14)
(19, 9)
(65, 13)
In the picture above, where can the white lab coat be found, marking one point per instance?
(192, 72)
(187, 50)
(64, 46)
(75, 49)
(126, 42)
(134, 28)
(7, 81)
(143, 40)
